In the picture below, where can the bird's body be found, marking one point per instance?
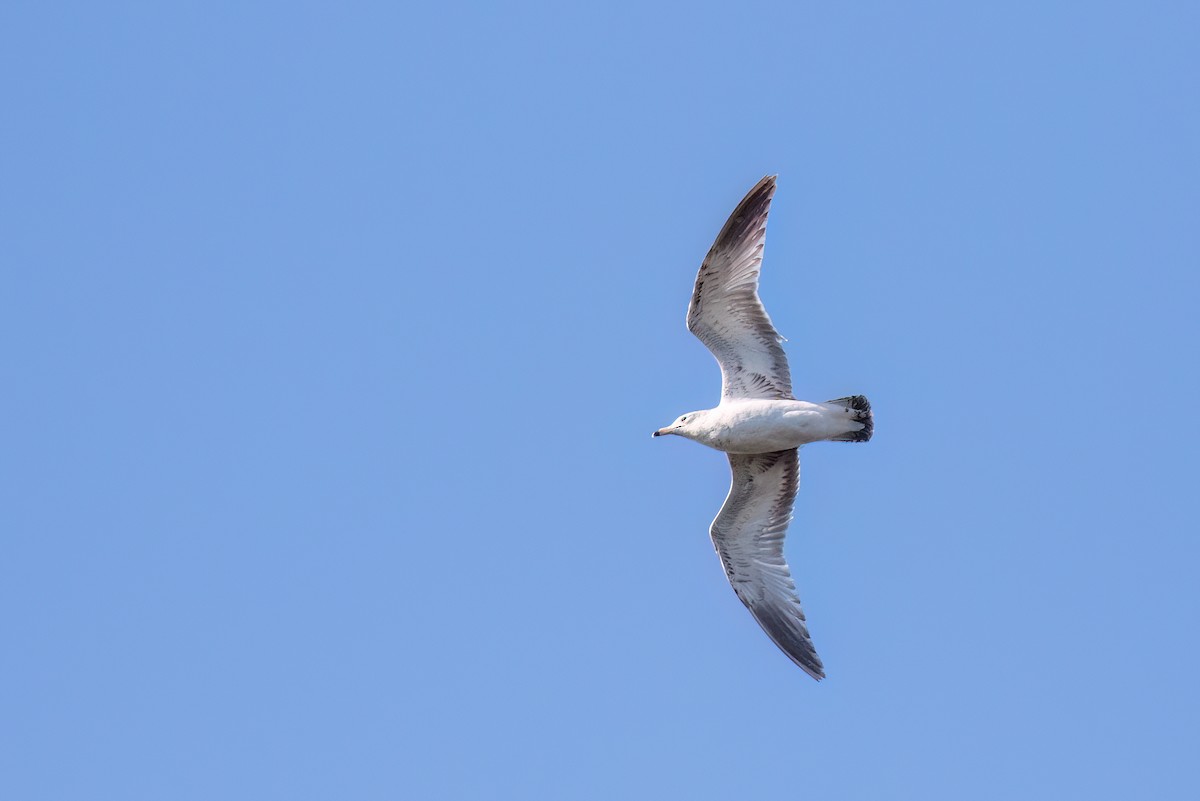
(760, 425)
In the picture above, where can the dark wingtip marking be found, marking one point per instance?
(749, 215)
(792, 638)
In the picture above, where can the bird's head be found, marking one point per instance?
(684, 426)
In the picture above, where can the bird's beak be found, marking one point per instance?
(662, 432)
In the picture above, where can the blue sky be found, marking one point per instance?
(334, 335)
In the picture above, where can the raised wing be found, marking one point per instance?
(725, 312)
(748, 534)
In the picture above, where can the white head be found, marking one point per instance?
(685, 426)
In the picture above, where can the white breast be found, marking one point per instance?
(763, 426)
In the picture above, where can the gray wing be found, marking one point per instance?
(748, 534)
(725, 312)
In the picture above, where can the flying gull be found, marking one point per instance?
(760, 425)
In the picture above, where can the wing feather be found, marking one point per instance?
(725, 312)
(748, 534)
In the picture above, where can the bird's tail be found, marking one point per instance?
(859, 410)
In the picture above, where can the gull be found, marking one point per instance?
(759, 425)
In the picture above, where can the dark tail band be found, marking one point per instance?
(860, 409)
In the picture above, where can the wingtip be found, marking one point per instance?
(810, 663)
(751, 212)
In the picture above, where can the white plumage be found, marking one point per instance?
(760, 425)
